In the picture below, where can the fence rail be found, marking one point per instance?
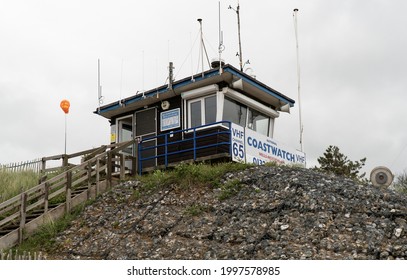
(16, 255)
(31, 165)
(21, 215)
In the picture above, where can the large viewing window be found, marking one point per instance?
(258, 122)
(234, 112)
(245, 116)
(202, 111)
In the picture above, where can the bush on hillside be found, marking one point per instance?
(334, 162)
(400, 183)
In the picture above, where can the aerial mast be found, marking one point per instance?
(298, 80)
(237, 10)
(100, 96)
(221, 47)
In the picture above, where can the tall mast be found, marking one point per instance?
(100, 97)
(221, 47)
(237, 10)
(298, 80)
(201, 49)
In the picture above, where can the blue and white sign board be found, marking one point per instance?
(170, 119)
(251, 147)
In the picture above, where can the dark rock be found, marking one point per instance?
(279, 213)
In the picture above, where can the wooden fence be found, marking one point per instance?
(16, 255)
(40, 165)
(31, 165)
(21, 215)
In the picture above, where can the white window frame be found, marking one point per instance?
(202, 100)
(251, 104)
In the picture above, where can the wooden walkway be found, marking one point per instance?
(21, 215)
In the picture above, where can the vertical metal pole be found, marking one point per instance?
(99, 87)
(240, 41)
(65, 135)
(201, 49)
(220, 47)
(298, 80)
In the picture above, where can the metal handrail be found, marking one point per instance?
(194, 149)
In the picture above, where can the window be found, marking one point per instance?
(210, 109)
(258, 122)
(245, 116)
(202, 111)
(234, 112)
(195, 113)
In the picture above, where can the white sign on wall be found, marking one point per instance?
(252, 147)
(170, 119)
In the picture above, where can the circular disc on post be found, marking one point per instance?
(381, 177)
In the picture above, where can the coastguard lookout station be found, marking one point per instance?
(219, 114)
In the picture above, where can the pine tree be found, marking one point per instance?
(333, 161)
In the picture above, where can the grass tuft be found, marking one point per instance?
(14, 183)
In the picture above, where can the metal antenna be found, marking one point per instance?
(221, 47)
(201, 49)
(298, 79)
(142, 76)
(237, 10)
(100, 97)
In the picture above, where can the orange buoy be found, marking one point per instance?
(65, 106)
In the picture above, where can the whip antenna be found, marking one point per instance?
(298, 79)
(100, 97)
(237, 10)
(221, 47)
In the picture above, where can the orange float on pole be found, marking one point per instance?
(65, 106)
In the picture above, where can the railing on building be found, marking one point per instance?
(193, 144)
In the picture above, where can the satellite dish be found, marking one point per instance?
(381, 177)
(165, 105)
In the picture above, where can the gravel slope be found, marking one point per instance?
(275, 213)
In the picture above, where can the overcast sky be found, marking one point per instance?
(352, 56)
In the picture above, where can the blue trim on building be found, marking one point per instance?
(197, 78)
(260, 86)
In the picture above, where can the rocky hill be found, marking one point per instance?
(263, 212)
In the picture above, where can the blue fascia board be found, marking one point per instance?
(196, 78)
(159, 90)
(260, 86)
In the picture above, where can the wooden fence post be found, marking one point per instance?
(122, 166)
(43, 165)
(89, 179)
(109, 170)
(68, 191)
(134, 164)
(46, 194)
(23, 215)
(97, 176)
(65, 161)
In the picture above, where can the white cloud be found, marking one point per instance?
(352, 68)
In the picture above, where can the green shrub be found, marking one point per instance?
(400, 183)
(334, 162)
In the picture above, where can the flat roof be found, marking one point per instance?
(229, 75)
